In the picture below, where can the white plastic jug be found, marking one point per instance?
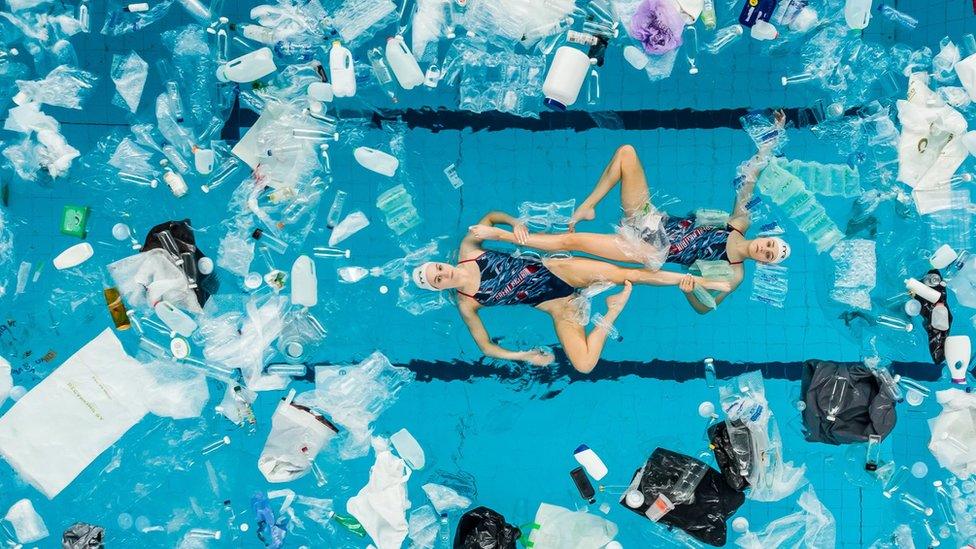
(566, 76)
(304, 284)
(343, 71)
(376, 161)
(403, 63)
(857, 13)
(248, 67)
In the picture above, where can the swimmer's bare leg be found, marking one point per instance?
(607, 246)
(624, 168)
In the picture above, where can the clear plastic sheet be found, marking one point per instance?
(812, 526)
(64, 87)
(129, 74)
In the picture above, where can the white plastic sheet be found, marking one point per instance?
(84, 406)
(928, 155)
(381, 506)
(28, 525)
(953, 441)
(295, 439)
(812, 527)
(560, 528)
(445, 499)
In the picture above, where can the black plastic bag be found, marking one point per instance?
(725, 456)
(866, 410)
(83, 536)
(182, 233)
(483, 528)
(937, 338)
(704, 517)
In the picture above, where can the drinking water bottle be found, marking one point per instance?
(382, 72)
(403, 63)
(336, 210)
(708, 14)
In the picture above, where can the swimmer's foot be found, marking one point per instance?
(487, 232)
(617, 301)
(582, 213)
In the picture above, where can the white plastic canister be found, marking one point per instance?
(566, 76)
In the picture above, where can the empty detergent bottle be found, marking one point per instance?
(342, 70)
(565, 79)
(403, 63)
(248, 67)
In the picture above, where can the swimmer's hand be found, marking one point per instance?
(687, 284)
(582, 213)
(521, 233)
(617, 302)
(538, 357)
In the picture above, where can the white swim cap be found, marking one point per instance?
(782, 250)
(420, 277)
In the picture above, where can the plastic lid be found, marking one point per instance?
(179, 347)
(121, 231)
(554, 105)
(205, 265)
(634, 499)
(252, 281)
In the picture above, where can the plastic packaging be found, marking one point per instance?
(248, 67)
(342, 70)
(352, 224)
(403, 63)
(28, 526)
(381, 505)
(376, 161)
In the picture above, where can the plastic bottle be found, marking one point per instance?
(582, 38)
(175, 182)
(335, 210)
(857, 13)
(896, 16)
(342, 70)
(590, 461)
(837, 398)
(353, 223)
(710, 373)
(382, 72)
(921, 290)
(197, 10)
(724, 37)
(872, 456)
(116, 308)
(84, 16)
(565, 78)
(248, 67)
(691, 49)
(958, 352)
(376, 161)
(259, 33)
(351, 275)
(639, 59)
(940, 317)
(708, 14)
(403, 63)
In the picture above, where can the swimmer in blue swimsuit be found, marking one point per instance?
(489, 278)
(651, 238)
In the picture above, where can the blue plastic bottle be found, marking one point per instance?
(754, 10)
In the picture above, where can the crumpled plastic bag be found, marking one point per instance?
(771, 478)
(560, 528)
(50, 151)
(953, 441)
(148, 277)
(64, 87)
(354, 396)
(178, 392)
(484, 528)
(445, 499)
(929, 151)
(241, 341)
(812, 526)
(296, 437)
(422, 527)
(28, 525)
(657, 25)
(129, 74)
(83, 536)
(131, 158)
(381, 506)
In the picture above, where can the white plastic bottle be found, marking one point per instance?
(857, 13)
(343, 71)
(248, 67)
(566, 76)
(304, 284)
(376, 161)
(958, 351)
(763, 30)
(403, 63)
(259, 33)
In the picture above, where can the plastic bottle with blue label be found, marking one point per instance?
(756, 10)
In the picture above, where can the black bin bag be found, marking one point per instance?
(704, 518)
(865, 409)
(182, 233)
(483, 528)
(728, 462)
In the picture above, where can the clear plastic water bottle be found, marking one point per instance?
(444, 532)
(382, 72)
(708, 14)
(710, 376)
(335, 212)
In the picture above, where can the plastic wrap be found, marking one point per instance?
(64, 87)
(129, 73)
(855, 265)
(119, 22)
(556, 527)
(812, 526)
(771, 478)
(354, 396)
(953, 441)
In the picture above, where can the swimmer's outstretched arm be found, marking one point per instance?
(477, 328)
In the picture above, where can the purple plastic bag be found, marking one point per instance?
(658, 25)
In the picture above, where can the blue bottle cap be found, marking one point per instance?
(554, 105)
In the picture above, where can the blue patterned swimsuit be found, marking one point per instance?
(689, 243)
(507, 280)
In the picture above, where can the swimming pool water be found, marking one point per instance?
(505, 429)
